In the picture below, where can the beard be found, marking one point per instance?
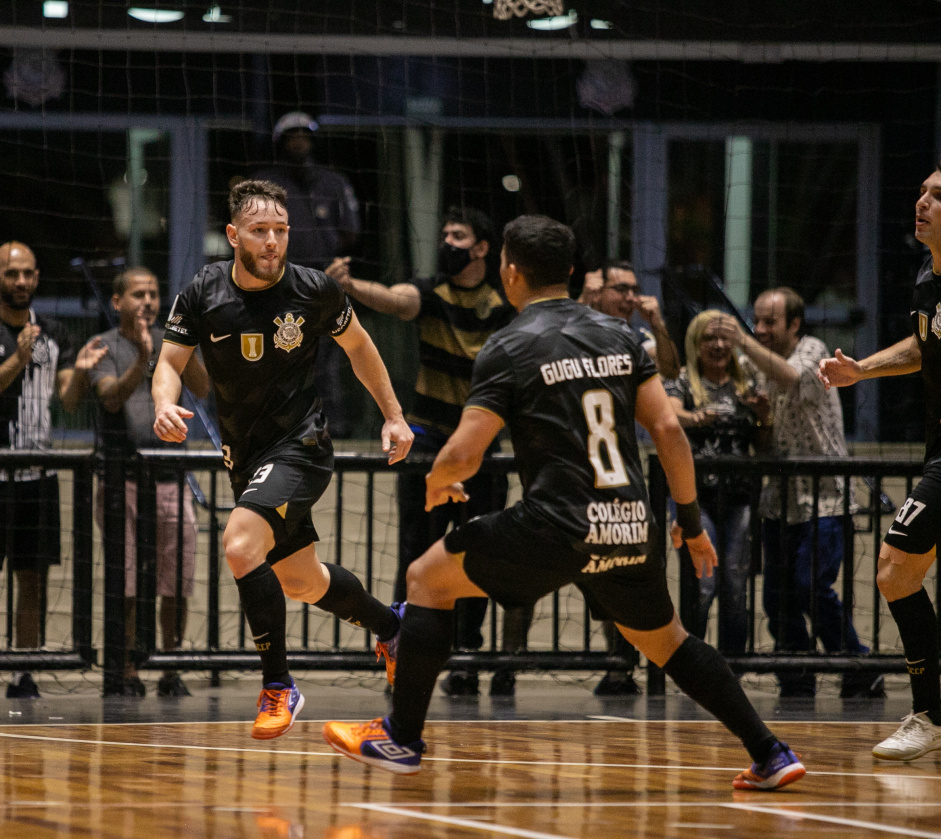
(15, 300)
(250, 264)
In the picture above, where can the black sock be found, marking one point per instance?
(703, 675)
(424, 649)
(263, 603)
(350, 602)
(918, 630)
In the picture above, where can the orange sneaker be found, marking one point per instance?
(370, 743)
(390, 648)
(279, 705)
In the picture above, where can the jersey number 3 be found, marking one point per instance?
(599, 415)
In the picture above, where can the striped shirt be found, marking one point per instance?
(453, 324)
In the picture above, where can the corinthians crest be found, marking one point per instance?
(936, 322)
(289, 335)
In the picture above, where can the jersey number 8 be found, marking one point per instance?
(599, 415)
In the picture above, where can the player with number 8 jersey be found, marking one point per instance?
(569, 383)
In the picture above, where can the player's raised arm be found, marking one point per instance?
(898, 360)
(369, 368)
(170, 425)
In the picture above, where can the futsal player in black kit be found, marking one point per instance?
(909, 547)
(257, 319)
(569, 382)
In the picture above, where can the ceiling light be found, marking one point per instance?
(55, 8)
(214, 15)
(511, 183)
(601, 24)
(156, 15)
(558, 22)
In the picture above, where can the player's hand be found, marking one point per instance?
(437, 495)
(397, 439)
(90, 355)
(169, 424)
(25, 340)
(701, 550)
(839, 371)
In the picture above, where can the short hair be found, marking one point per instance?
(618, 265)
(249, 192)
(793, 305)
(478, 221)
(123, 279)
(541, 248)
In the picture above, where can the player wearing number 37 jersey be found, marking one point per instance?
(569, 383)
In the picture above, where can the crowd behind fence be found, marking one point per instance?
(357, 523)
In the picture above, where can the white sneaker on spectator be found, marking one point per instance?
(916, 736)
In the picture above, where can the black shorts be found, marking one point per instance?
(517, 558)
(282, 488)
(31, 512)
(917, 525)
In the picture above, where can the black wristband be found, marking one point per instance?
(689, 519)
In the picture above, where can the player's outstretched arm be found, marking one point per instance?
(655, 413)
(170, 422)
(367, 364)
(461, 456)
(898, 360)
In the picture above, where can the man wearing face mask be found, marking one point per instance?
(456, 311)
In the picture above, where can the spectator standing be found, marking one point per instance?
(37, 360)
(456, 311)
(723, 414)
(807, 420)
(121, 382)
(325, 223)
(614, 290)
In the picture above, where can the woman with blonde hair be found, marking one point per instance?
(716, 402)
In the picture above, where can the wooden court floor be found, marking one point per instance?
(641, 769)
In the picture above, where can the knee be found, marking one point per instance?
(241, 554)
(296, 588)
(895, 581)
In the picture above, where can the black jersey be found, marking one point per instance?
(926, 323)
(259, 348)
(564, 378)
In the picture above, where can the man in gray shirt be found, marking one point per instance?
(121, 382)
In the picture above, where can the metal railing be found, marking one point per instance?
(359, 656)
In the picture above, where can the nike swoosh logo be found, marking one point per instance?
(216, 338)
(896, 532)
(259, 637)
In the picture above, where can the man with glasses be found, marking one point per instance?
(614, 290)
(37, 359)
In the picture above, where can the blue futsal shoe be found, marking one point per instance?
(370, 743)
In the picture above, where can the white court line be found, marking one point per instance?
(593, 718)
(471, 823)
(678, 767)
(875, 826)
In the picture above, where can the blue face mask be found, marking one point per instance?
(452, 259)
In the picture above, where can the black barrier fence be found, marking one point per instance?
(869, 474)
